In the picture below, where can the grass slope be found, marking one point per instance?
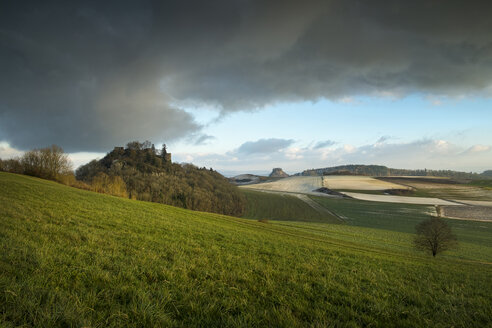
(72, 258)
(273, 206)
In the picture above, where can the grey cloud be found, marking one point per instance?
(323, 144)
(264, 146)
(347, 48)
(92, 74)
(84, 76)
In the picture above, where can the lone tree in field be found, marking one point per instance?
(434, 235)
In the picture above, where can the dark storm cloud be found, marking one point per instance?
(264, 146)
(94, 74)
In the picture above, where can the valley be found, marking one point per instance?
(473, 203)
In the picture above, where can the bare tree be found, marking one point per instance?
(55, 161)
(434, 235)
(47, 163)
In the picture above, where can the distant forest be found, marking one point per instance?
(379, 170)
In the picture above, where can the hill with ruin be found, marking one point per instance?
(150, 175)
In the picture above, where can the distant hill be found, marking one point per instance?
(243, 179)
(278, 173)
(150, 175)
(487, 173)
(380, 170)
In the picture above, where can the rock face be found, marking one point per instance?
(278, 173)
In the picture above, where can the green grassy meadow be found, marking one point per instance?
(73, 258)
(276, 206)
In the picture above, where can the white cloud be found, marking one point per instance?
(418, 154)
(6, 151)
(478, 149)
(82, 158)
(77, 159)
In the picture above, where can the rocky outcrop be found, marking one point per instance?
(278, 173)
(244, 179)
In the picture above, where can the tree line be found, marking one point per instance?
(52, 163)
(48, 163)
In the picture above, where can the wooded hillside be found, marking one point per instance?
(149, 175)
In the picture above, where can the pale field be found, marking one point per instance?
(400, 199)
(446, 190)
(303, 185)
(307, 185)
(300, 184)
(349, 182)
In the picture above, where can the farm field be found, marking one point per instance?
(307, 184)
(75, 258)
(349, 182)
(389, 225)
(404, 217)
(383, 218)
(446, 188)
(367, 188)
(399, 199)
(279, 206)
(291, 184)
(421, 190)
(475, 237)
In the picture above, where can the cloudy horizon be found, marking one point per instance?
(245, 86)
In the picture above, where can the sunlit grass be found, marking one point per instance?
(277, 206)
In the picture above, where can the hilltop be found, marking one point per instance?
(149, 174)
(278, 173)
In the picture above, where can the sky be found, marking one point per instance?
(244, 86)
